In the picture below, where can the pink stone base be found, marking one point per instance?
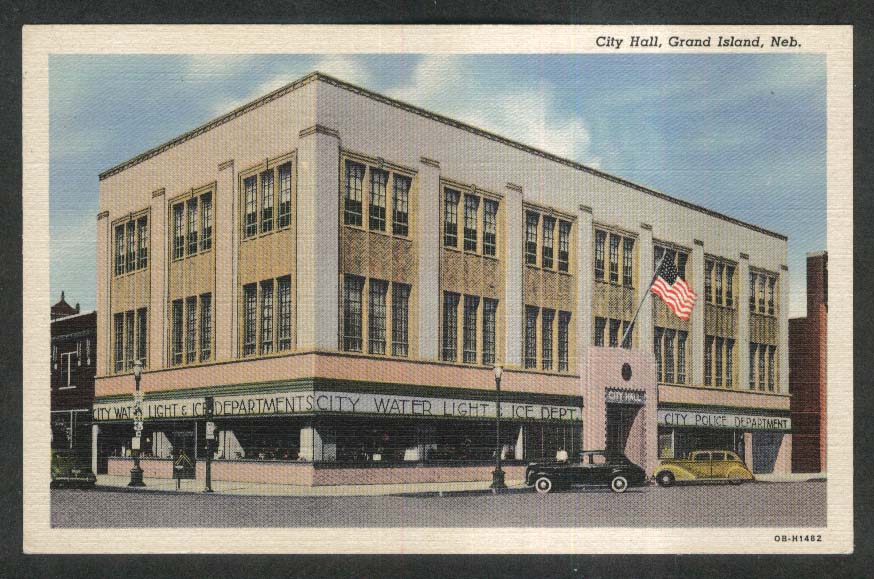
(424, 474)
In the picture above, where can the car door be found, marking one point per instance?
(718, 465)
(700, 464)
(599, 473)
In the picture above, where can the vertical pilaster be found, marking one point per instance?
(783, 330)
(318, 234)
(584, 285)
(742, 339)
(644, 324)
(158, 234)
(428, 220)
(226, 254)
(697, 337)
(513, 236)
(104, 243)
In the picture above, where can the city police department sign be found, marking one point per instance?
(688, 418)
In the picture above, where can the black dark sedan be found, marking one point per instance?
(593, 467)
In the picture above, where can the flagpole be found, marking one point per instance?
(645, 295)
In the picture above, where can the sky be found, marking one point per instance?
(741, 134)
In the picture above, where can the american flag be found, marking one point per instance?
(674, 290)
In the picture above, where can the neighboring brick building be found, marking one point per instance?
(807, 371)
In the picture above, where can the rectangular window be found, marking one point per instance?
(729, 363)
(177, 330)
(178, 231)
(400, 206)
(450, 218)
(614, 258)
(471, 207)
(657, 352)
(546, 339)
(266, 339)
(719, 269)
(131, 247)
(614, 333)
(378, 186)
(283, 318)
(681, 356)
(682, 259)
(190, 329)
(771, 285)
(250, 319)
(771, 351)
(471, 305)
(752, 366)
(708, 281)
(762, 349)
(119, 250)
(627, 261)
(192, 225)
(267, 196)
(490, 308)
(206, 222)
(490, 226)
(450, 326)
(284, 216)
(669, 355)
(400, 319)
(352, 201)
(752, 285)
(129, 340)
(250, 203)
(142, 242)
(762, 282)
(531, 221)
(142, 336)
(548, 240)
(627, 335)
(205, 327)
(564, 245)
(708, 360)
(718, 370)
(377, 317)
(530, 337)
(564, 319)
(600, 324)
(600, 237)
(729, 286)
(119, 342)
(352, 315)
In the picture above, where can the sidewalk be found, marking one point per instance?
(247, 488)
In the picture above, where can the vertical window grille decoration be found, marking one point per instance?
(176, 328)
(546, 338)
(400, 319)
(284, 215)
(400, 205)
(761, 349)
(378, 185)
(266, 339)
(471, 305)
(490, 308)
(657, 352)
(131, 261)
(142, 242)
(752, 285)
(283, 298)
(600, 324)
(729, 286)
(129, 340)
(708, 360)
(752, 366)
(450, 218)
(600, 237)
(191, 329)
(352, 202)
(719, 269)
(490, 226)
(708, 281)
(669, 355)
(192, 226)
(729, 363)
(206, 221)
(626, 342)
(450, 326)
(681, 356)
(205, 327)
(771, 351)
(471, 207)
(718, 370)
(119, 250)
(377, 317)
(267, 201)
(250, 202)
(530, 337)
(178, 231)
(250, 320)
(614, 333)
(352, 315)
(762, 282)
(531, 221)
(564, 245)
(119, 342)
(614, 258)
(546, 251)
(627, 261)
(771, 286)
(142, 337)
(564, 319)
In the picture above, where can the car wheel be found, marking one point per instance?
(543, 485)
(619, 484)
(735, 481)
(665, 478)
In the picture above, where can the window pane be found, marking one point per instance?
(548, 238)
(192, 225)
(450, 218)
(205, 327)
(718, 369)
(771, 351)
(471, 206)
(131, 247)
(762, 350)
(530, 337)
(266, 316)
(250, 320)
(267, 201)
(681, 357)
(283, 290)
(471, 305)
(142, 336)
(190, 329)
(531, 221)
(564, 319)
(546, 339)
(752, 366)
(284, 216)
(376, 317)
(772, 282)
(250, 204)
(178, 231)
(669, 355)
(450, 325)
(400, 205)
(119, 342)
(176, 328)
(490, 308)
(119, 250)
(729, 286)
(206, 221)
(354, 193)
(142, 242)
(600, 237)
(627, 335)
(378, 184)
(614, 258)
(614, 333)
(627, 261)
(400, 304)
(600, 324)
(657, 352)
(708, 360)
(708, 281)
(129, 340)
(564, 235)
(352, 288)
(729, 363)
(490, 214)
(752, 284)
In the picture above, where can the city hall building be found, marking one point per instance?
(339, 272)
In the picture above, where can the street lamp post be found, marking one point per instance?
(136, 473)
(498, 474)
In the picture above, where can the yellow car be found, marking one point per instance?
(703, 466)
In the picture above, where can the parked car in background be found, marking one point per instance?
(69, 469)
(703, 466)
(591, 467)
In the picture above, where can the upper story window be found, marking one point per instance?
(490, 226)
(401, 205)
(191, 329)
(477, 209)
(380, 192)
(284, 215)
(250, 205)
(192, 225)
(267, 198)
(267, 195)
(352, 199)
(130, 338)
(600, 237)
(620, 251)
(191, 229)
(679, 257)
(564, 235)
(763, 289)
(614, 258)
(267, 316)
(378, 187)
(531, 221)
(132, 245)
(471, 207)
(546, 253)
(719, 282)
(206, 221)
(450, 217)
(627, 261)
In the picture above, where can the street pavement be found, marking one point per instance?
(788, 504)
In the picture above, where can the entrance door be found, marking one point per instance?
(620, 417)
